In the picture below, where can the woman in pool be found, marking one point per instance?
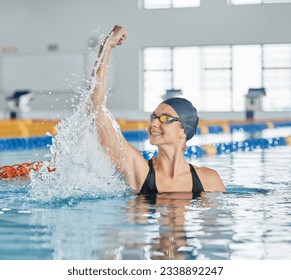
(172, 123)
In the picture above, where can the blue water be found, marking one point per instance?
(251, 221)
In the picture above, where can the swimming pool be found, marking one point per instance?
(251, 221)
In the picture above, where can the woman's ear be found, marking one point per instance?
(182, 134)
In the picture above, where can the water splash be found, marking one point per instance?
(82, 166)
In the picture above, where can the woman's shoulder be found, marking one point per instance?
(210, 179)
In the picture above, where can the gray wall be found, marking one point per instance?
(31, 25)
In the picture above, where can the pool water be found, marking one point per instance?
(251, 221)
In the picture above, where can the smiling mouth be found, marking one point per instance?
(155, 133)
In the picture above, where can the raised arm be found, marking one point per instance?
(115, 37)
(124, 156)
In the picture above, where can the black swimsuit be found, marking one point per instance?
(149, 186)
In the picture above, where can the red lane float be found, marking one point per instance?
(19, 170)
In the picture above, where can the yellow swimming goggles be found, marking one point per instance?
(164, 118)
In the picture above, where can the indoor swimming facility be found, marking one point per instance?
(63, 194)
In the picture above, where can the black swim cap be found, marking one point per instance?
(187, 114)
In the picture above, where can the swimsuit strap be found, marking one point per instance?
(149, 185)
(197, 185)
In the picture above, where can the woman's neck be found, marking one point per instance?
(170, 161)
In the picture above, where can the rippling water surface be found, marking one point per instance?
(251, 221)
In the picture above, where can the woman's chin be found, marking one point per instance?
(153, 140)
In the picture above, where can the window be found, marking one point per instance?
(216, 78)
(247, 72)
(277, 76)
(187, 73)
(247, 2)
(158, 75)
(164, 4)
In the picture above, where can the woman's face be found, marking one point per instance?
(165, 133)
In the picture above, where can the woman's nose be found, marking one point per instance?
(155, 121)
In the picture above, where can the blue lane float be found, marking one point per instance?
(135, 135)
(14, 144)
(227, 148)
(250, 145)
(248, 127)
(215, 129)
(282, 124)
